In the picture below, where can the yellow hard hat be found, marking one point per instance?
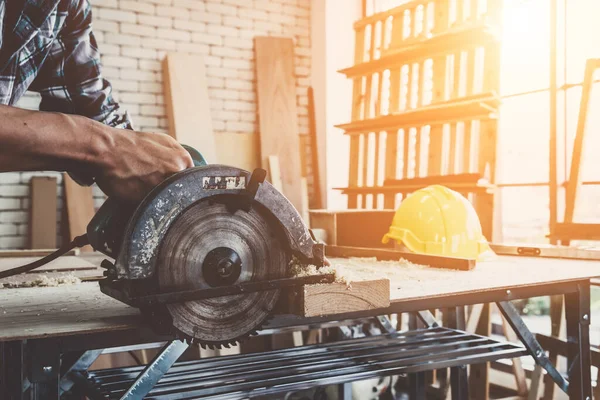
(439, 221)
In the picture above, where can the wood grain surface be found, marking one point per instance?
(80, 208)
(187, 103)
(336, 298)
(82, 308)
(43, 212)
(60, 311)
(278, 117)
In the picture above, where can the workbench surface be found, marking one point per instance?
(81, 308)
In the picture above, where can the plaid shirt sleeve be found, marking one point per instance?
(70, 79)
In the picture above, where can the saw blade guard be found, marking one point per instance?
(150, 222)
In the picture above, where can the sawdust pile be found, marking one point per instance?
(353, 269)
(299, 270)
(44, 281)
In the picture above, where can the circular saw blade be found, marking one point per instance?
(202, 228)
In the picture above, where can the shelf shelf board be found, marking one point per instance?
(481, 106)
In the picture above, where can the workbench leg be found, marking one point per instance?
(577, 310)
(44, 358)
(556, 318)
(11, 370)
(458, 375)
(345, 391)
(459, 383)
(479, 383)
(416, 384)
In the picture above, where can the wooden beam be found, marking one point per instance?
(568, 231)
(337, 298)
(461, 264)
(187, 103)
(315, 149)
(43, 212)
(80, 208)
(278, 117)
(553, 148)
(275, 173)
(241, 150)
(577, 156)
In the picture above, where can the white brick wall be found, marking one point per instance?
(134, 35)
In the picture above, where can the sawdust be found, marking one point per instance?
(353, 269)
(45, 281)
(299, 270)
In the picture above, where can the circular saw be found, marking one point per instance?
(206, 254)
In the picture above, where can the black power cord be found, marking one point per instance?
(79, 241)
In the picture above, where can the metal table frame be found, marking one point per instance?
(43, 368)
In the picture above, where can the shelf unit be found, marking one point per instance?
(425, 102)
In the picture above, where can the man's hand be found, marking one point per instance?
(138, 162)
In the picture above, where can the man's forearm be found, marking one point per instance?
(35, 140)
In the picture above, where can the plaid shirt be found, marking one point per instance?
(47, 46)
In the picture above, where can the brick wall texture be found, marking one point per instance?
(133, 37)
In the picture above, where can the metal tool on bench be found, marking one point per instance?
(205, 255)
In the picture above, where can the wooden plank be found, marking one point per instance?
(553, 140)
(568, 231)
(481, 106)
(278, 118)
(318, 195)
(464, 178)
(577, 156)
(459, 187)
(43, 212)
(305, 201)
(304, 144)
(406, 153)
(327, 222)
(373, 224)
(353, 168)
(187, 103)
(337, 298)
(275, 173)
(473, 319)
(341, 226)
(241, 150)
(79, 201)
(451, 263)
(391, 160)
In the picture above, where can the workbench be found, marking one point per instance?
(42, 325)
